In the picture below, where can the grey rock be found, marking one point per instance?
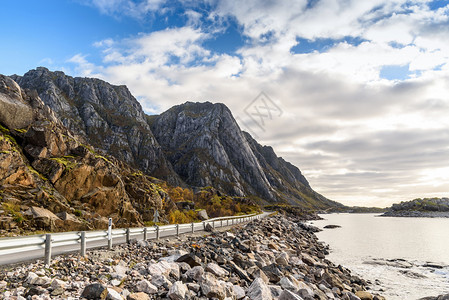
(288, 295)
(239, 292)
(216, 270)
(146, 287)
(113, 295)
(177, 291)
(14, 111)
(259, 290)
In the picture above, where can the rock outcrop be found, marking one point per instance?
(107, 116)
(46, 170)
(422, 208)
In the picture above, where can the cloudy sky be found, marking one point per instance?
(356, 93)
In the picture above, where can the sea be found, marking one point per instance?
(402, 258)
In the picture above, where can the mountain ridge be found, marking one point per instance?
(191, 144)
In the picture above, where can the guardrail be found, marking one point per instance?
(72, 241)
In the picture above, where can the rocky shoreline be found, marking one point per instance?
(416, 214)
(272, 258)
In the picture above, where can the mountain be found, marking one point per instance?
(106, 116)
(193, 144)
(205, 145)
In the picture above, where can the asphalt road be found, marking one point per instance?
(20, 257)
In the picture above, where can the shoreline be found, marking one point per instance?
(265, 259)
(416, 214)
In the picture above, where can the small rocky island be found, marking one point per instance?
(425, 208)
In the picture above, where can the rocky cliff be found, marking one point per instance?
(205, 145)
(50, 180)
(106, 116)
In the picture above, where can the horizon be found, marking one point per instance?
(353, 94)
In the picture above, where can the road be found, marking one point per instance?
(24, 256)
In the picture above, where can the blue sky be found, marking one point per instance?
(362, 84)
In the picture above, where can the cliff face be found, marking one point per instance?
(206, 147)
(106, 116)
(50, 180)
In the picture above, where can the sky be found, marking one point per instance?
(355, 93)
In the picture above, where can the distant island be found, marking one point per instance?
(427, 208)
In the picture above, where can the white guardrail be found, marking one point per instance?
(58, 243)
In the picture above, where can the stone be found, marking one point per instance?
(287, 284)
(308, 259)
(14, 112)
(191, 259)
(56, 283)
(288, 295)
(177, 291)
(138, 296)
(258, 290)
(160, 281)
(363, 295)
(273, 273)
(193, 286)
(113, 295)
(211, 287)
(195, 273)
(31, 276)
(95, 291)
(208, 227)
(282, 259)
(239, 292)
(216, 270)
(202, 215)
(146, 287)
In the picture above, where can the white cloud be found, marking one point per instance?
(358, 138)
(135, 9)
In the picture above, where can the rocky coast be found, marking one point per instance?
(273, 258)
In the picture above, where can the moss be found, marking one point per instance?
(32, 170)
(68, 164)
(21, 130)
(103, 158)
(78, 213)
(14, 210)
(4, 129)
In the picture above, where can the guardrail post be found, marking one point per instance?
(157, 232)
(127, 235)
(47, 249)
(177, 229)
(221, 223)
(232, 222)
(213, 224)
(83, 243)
(193, 228)
(204, 225)
(145, 233)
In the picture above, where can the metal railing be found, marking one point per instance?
(64, 242)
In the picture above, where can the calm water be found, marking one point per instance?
(371, 246)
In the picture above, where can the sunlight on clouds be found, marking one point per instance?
(359, 138)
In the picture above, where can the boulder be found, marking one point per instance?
(177, 291)
(288, 295)
(258, 290)
(364, 295)
(216, 270)
(211, 287)
(138, 296)
(202, 215)
(146, 287)
(95, 291)
(14, 112)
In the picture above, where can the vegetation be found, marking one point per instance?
(423, 204)
(13, 209)
(67, 161)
